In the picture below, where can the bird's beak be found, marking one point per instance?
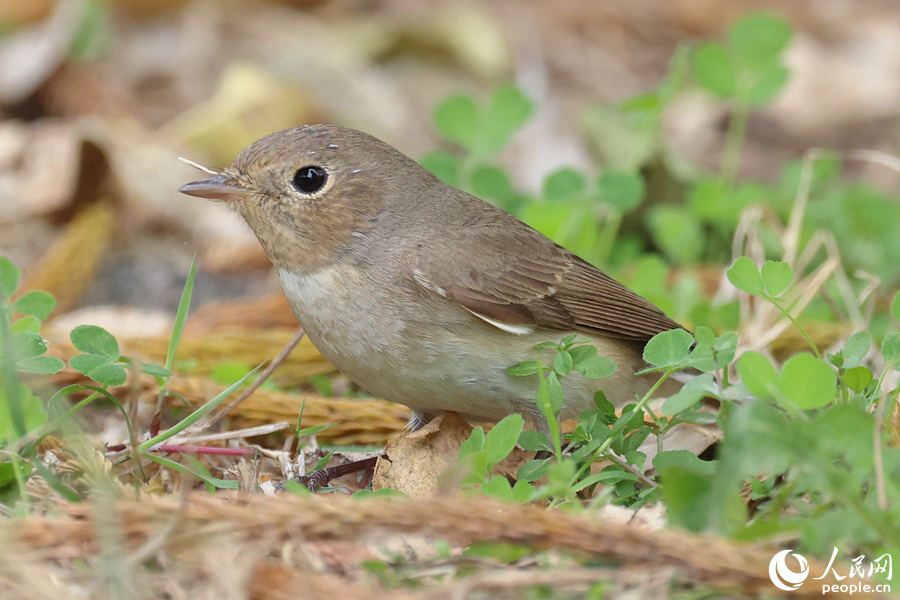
(220, 187)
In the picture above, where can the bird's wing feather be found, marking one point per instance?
(523, 280)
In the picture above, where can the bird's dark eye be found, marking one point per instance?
(310, 179)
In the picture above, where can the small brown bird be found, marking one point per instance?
(419, 292)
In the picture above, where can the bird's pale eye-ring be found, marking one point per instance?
(310, 179)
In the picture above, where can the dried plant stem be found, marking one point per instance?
(464, 520)
(267, 372)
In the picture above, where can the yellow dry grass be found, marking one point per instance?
(362, 421)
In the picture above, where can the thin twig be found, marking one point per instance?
(231, 435)
(288, 348)
(631, 469)
(322, 477)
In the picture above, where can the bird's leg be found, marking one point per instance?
(539, 422)
(417, 421)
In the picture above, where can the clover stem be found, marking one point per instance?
(601, 450)
(734, 139)
(802, 331)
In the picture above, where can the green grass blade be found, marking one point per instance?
(181, 315)
(195, 464)
(197, 414)
(224, 484)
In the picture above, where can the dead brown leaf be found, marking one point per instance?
(414, 463)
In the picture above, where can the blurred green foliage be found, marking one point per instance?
(93, 34)
(646, 208)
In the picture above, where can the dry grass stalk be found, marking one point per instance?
(364, 421)
(201, 521)
(761, 322)
(243, 345)
(263, 376)
(206, 351)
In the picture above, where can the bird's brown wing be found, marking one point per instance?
(517, 279)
